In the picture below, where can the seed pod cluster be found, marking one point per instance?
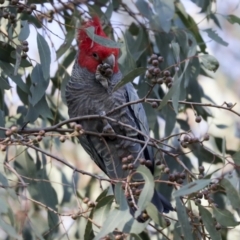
(128, 163)
(155, 74)
(187, 139)
(90, 203)
(177, 177)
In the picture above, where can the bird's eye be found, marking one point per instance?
(95, 55)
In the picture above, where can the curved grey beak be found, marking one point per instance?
(110, 60)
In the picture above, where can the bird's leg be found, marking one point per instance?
(107, 128)
(103, 73)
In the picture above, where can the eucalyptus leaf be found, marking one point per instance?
(25, 31)
(236, 158)
(155, 215)
(233, 19)
(225, 217)
(192, 187)
(209, 223)
(130, 77)
(39, 84)
(45, 55)
(183, 220)
(214, 36)
(171, 92)
(101, 211)
(102, 40)
(4, 84)
(147, 191)
(165, 12)
(232, 194)
(209, 62)
(8, 229)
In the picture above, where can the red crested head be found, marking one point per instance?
(91, 53)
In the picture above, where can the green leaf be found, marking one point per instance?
(40, 109)
(130, 77)
(3, 205)
(25, 31)
(209, 223)
(165, 12)
(8, 229)
(102, 40)
(221, 126)
(3, 180)
(109, 10)
(213, 35)
(24, 163)
(176, 51)
(183, 220)
(232, 194)
(203, 4)
(209, 62)
(53, 221)
(176, 95)
(190, 23)
(45, 55)
(65, 78)
(233, 19)
(67, 43)
(225, 217)
(133, 226)
(144, 8)
(170, 119)
(101, 211)
(192, 187)
(171, 92)
(2, 124)
(7, 54)
(4, 85)
(116, 218)
(147, 191)
(126, 60)
(39, 85)
(236, 158)
(120, 218)
(88, 233)
(31, 19)
(155, 216)
(9, 70)
(18, 58)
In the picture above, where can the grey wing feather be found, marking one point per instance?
(139, 113)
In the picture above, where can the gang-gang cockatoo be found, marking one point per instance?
(89, 92)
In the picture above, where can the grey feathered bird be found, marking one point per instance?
(89, 91)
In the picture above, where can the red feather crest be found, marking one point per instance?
(88, 47)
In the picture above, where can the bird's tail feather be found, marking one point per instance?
(161, 203)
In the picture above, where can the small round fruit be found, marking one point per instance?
(33, 6)
(25, 43)
(166, 73)
(160, 59)
(62, 139)
(148, 163)
(155, 62)
(198, 119)
(167, 170)
(86, 200)
(39, 138)
(8, 132)
(154, 104)
(124, 167)
(201, 169)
